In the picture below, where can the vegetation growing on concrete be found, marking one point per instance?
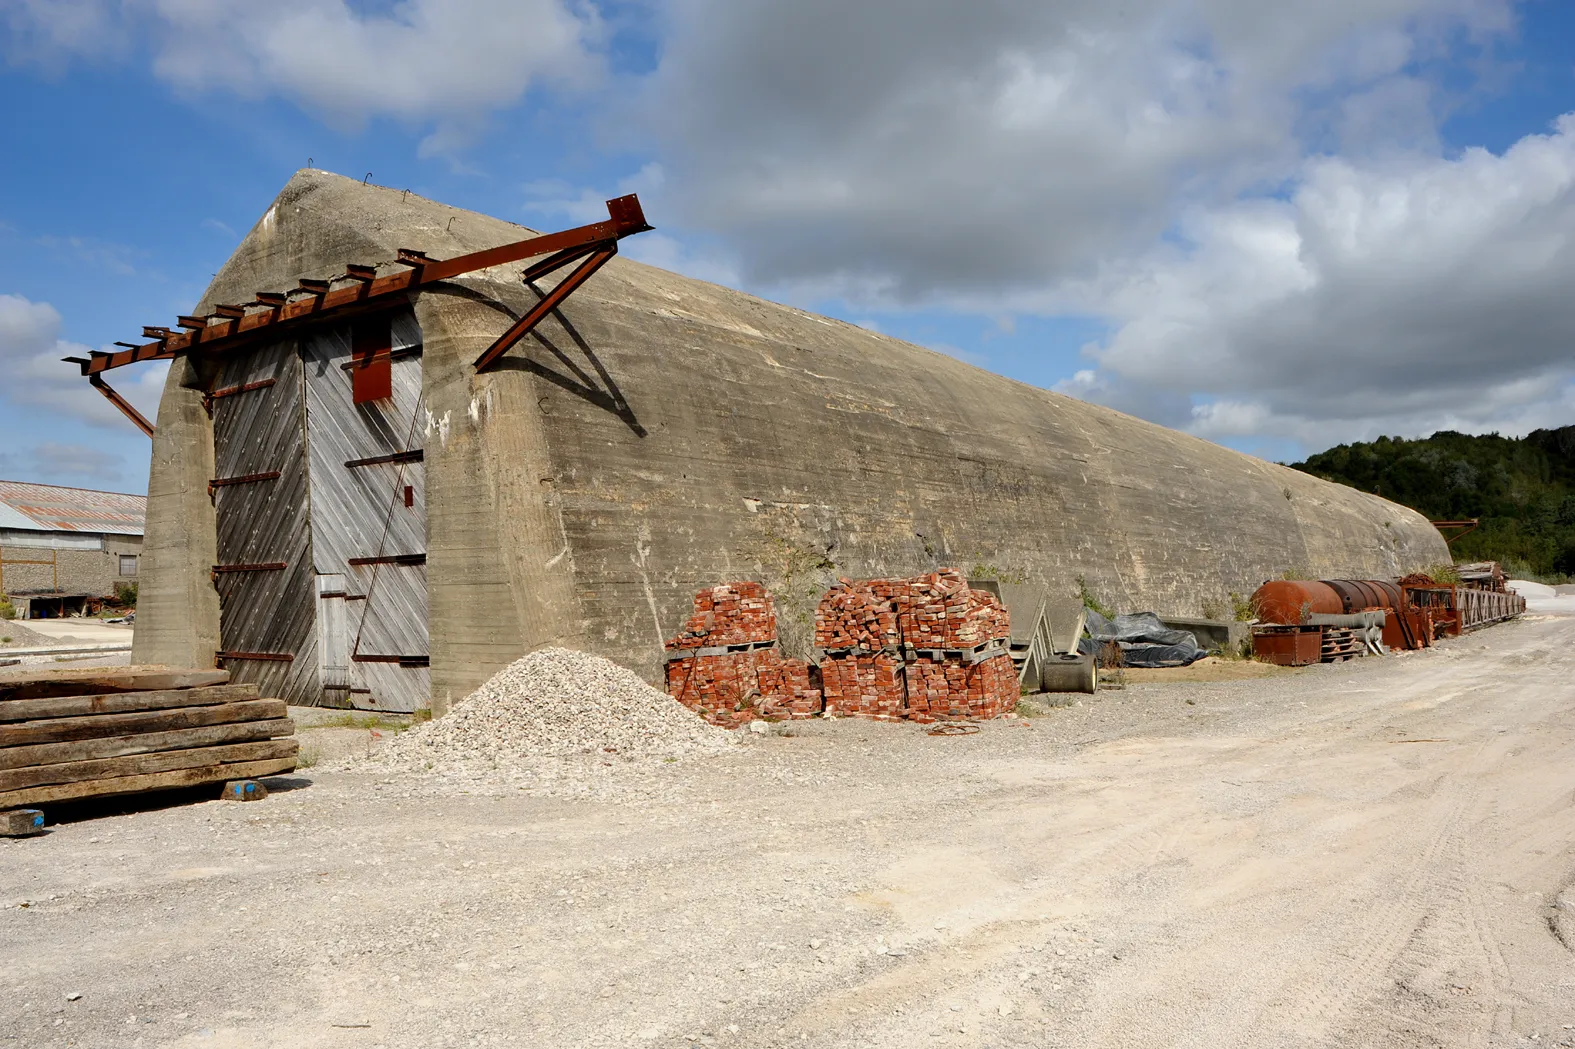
(797, 573)
(1522, 489)
(1091, 601)
(7, 609)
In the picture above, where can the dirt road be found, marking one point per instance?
(1364, 855)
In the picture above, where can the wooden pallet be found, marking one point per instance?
(1340, 645)
(69, 734)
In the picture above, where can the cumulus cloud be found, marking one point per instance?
(30, 355)
(445, 61)
(1418, 293)
(911, 152)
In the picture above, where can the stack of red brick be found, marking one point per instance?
(916, 649)
(730, 614)
(725, 666)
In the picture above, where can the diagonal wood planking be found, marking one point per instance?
(265, 522)
(359, 512)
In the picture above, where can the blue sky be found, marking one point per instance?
(1181, 244)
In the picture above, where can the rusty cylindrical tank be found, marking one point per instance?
(1284, 600)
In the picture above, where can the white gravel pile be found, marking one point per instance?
(555, 703)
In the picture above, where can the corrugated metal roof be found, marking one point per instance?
(48, 508)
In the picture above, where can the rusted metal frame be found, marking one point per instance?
(548, 303)
(124, 405)
(1466, 528)
(414, 456)
(222, 333)
(390, 559)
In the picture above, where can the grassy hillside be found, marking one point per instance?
(1523, 489)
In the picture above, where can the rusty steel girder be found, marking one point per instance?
(359, 288)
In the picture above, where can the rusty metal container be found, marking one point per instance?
(1289, 646)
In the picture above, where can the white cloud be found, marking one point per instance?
(900, 153)
(30, 355)
(1401, 296)
(451, 62)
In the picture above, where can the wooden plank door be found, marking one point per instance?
(364, 432)
(265, 574)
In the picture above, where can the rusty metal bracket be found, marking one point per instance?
(595, 259)
(120, 402)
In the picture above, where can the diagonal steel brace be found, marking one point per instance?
(124, 405)
(597, 257)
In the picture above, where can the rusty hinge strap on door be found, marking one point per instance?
(391, 559)
(220, 482)
(270, 657)
(269, 566)
(415, 456)
(245, 387)
(215, 483)
(231, 391)
(404, 661)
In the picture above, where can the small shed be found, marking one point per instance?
(61, 549)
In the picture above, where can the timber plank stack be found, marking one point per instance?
(70, 734)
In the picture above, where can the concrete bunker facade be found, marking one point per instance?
(656, 435)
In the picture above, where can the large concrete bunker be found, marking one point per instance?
(655, 435)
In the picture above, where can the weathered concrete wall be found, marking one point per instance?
(683, 434)
(177, 607)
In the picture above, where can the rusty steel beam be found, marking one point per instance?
(1466, 527)
(219, 334)
(124, 405)
(548, 303)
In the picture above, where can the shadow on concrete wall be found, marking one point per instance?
(600, 389)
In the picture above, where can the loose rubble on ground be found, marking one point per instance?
(554, 721)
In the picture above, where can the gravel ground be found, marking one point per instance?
(14, 635)
(1370, 854)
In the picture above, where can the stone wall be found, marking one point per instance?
(91, 573)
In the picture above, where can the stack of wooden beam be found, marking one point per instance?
(69, 734)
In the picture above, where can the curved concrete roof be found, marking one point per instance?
(681, 434)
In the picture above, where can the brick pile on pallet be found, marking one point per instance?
(69, 734)
(725, 666)
(919, 649)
